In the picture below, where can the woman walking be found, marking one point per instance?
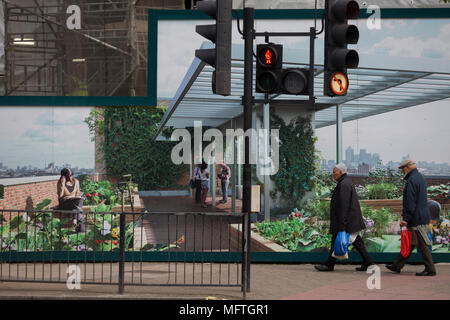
(204, 177)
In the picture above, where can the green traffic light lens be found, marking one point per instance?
(266, 81)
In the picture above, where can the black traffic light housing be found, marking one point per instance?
(338, 34)
(295, 81)
(272, 78)
(269, 62)
(220, 34)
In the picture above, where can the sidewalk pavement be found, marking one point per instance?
(268, 281)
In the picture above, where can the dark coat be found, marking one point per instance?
(415, 208)
(345, 212)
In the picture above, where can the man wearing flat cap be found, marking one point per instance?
(345, 215)
(416, 217)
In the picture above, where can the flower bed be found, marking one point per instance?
(49, 231)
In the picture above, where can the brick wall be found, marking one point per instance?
(27, 196)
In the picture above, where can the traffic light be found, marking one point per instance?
(269, 61)
(272, 78)
(338, 34)
(220, 34)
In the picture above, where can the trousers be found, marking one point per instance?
(359, 246)
(424, 250)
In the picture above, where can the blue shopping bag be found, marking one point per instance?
(341, 243)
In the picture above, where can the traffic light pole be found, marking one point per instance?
(312, 38)
(247, 102)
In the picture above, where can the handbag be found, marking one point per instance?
(191, 184)
(341, 244)
(405, 238)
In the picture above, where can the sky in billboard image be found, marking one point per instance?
(37, 136)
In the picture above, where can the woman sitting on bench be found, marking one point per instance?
(70, 197)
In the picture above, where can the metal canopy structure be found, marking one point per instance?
(381, 84)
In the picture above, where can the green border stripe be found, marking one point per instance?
(279, 14)
(75, 101)
(216, 257)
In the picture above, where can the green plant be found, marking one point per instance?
(324, 184)
(361, 191)
(297, 159)
(441, 191)
(318, 208)
(99, 191)
(387, 175)
(382, 219)
(296, 234)
(44, 230)
(382, 190)
(125, 137)
(384, 243)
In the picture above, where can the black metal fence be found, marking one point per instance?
(124, 249)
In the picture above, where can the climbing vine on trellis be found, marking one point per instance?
(128, 148)
(297, 159)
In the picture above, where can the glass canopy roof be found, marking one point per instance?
(380, 84)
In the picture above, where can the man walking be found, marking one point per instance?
(416, 217)
(224, 177)
(345, 215)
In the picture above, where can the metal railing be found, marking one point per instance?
(124, 248)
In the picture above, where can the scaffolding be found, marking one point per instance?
(105, 55)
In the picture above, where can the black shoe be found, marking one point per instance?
(426, 273)
(393, 268)
(323, 267)
(364, 267)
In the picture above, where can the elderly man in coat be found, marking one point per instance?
(345, 215)
(416, 217)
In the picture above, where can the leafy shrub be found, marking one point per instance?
(387, 175)
(297, 158)
(381, 191)
(296, 234)
(324, 184)
(361, 191)
(125, 137)
(47, 231)
(318, 208)
(382, 219)
(441, 191)
(98, 192)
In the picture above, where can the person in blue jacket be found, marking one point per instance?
(416, 217)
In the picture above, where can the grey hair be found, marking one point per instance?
(341, 166)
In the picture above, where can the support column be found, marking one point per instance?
(239, 167)
(233, 170)
(339, 117)
(212, 175)
(190, 176)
